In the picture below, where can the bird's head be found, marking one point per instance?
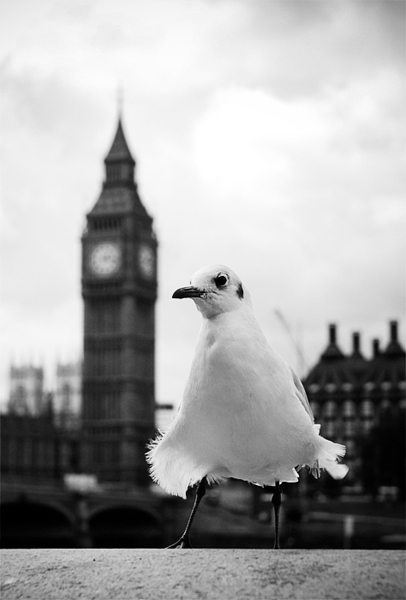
(215, 289)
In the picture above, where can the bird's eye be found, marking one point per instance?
(220, 280)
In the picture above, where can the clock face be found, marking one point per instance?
(105, 259)
(146, 261)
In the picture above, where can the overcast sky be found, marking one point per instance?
(269, 136)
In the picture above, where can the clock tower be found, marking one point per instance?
(119, 289)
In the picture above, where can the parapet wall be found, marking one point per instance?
(202, 574)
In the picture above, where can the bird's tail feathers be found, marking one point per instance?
(329, 455)
(171, 468)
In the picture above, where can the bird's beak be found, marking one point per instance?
(188, 292)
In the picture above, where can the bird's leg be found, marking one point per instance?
(277, 501)
(183, 541)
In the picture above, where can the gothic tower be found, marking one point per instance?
(119, 288)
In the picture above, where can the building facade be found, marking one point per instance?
(67, 400)
(361, 403)
(119, 288)
(26, 390)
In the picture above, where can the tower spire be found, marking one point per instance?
(119, 161)
(120, 100)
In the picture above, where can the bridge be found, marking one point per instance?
(45, 516)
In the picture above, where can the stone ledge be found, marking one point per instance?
(205, 574)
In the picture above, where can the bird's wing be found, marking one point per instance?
(301, 394)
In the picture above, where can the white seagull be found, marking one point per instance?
(244, 412)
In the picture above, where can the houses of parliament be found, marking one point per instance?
(81, 450)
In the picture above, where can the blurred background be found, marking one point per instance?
(141, 141)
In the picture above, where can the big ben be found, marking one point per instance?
(119, 288)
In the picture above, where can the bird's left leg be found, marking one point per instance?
(277, 501)
(183, 541)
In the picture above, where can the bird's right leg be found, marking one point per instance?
(183, 541)
(277, 501)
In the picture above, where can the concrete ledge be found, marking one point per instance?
(209, 573)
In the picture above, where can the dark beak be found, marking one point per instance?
(188, 292)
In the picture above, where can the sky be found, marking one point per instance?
(269, 136)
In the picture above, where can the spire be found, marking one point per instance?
(119, 193)
(119, 150)
(119, 161)
(120, 100)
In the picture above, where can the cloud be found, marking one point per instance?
(268, 136)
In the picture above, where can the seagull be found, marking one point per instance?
(244, 414)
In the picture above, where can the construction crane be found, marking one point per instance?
(301, 362)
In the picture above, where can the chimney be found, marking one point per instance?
(393, 331)
(375, 348)
(332, 352)
(356, 339)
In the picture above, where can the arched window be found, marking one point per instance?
(330, 409)
(350, 446)
(367, 425)
(384, 405)
(349, 428)
(349, 410)
(367, 409)
(329, 429)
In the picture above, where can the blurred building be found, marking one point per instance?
(119, 289)
(67, 400)
(34, 450)
(26, 390)
(361, 403)
(64, 485)
(109, 401)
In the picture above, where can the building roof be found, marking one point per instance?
(390, 365)
(119, 193)
(119, 150)
(334, 367)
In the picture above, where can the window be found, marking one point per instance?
(350, 446)
(105, 224)
(329, 429)
(349, 410)
(349, 428)
(113, 172)
(105, 315)
(66, 397)
(367, 409)
(384, 405)
(330, 409)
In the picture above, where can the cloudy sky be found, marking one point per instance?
(269, 136)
